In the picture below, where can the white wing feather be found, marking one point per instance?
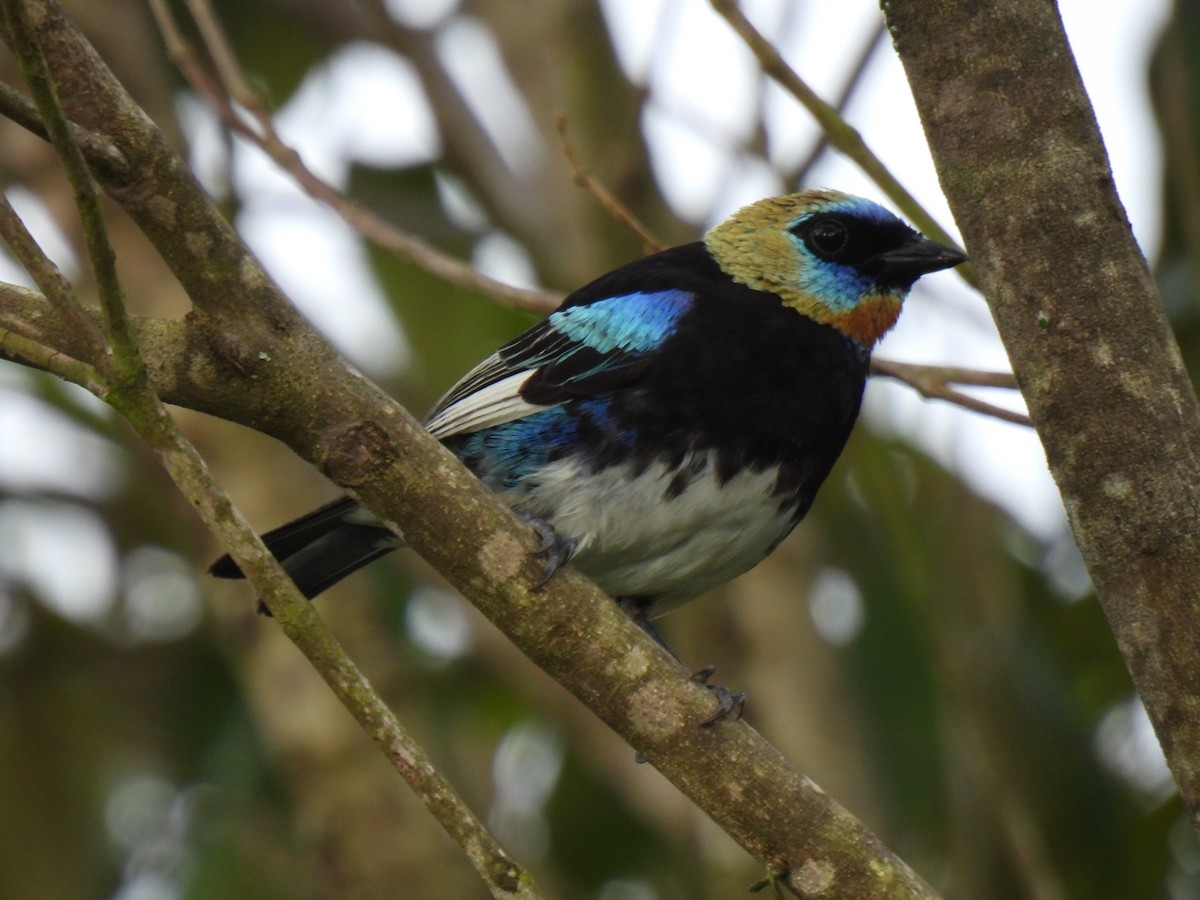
(486, 407)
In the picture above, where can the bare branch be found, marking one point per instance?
(28, 352)
(124, 363)
(263, 134)
(133, 395)
(864, 56)
(935, 381)
(50, 280)
(603, 195)
(20, 109)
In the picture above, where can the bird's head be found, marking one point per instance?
(841, 260)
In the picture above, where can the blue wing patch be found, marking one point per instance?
(633, 323)
(577, 351)
(596, 347)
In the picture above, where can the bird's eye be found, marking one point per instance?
(828, 237)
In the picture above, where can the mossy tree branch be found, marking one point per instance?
(1022, 162)
(126, 385)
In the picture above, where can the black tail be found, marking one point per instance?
(320, 549)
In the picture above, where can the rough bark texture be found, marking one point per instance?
(1022, 163)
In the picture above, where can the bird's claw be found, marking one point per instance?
(727, 702)
(778, 870)
(557, 549)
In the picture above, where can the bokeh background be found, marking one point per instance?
(926, 646)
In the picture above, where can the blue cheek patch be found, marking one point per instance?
(632, 323)
(838, 288)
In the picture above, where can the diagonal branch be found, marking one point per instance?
(235, 89)
(603, 196)
(934, 382)
(849, 89)
(28, 352)
(100, 152)
(116, 351)
(51, 282)
(132, 393)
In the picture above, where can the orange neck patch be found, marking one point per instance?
(869, 320)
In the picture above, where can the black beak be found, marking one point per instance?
(903, 265)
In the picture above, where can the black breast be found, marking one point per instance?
(756, 382)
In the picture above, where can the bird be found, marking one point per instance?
(672, 421)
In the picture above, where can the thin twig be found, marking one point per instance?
(24, 350)
(262, 133)
(865, 54)
(934, 382)
(947, 374)
(20, 109)
(229, 71)
(50, 281)
(603, 195)
(124, 362)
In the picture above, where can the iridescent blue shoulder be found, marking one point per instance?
(602, 337)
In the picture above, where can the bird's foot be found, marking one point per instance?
(777, 872)
(727, 702)
(557, 549)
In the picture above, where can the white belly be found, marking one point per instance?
(634, 540)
